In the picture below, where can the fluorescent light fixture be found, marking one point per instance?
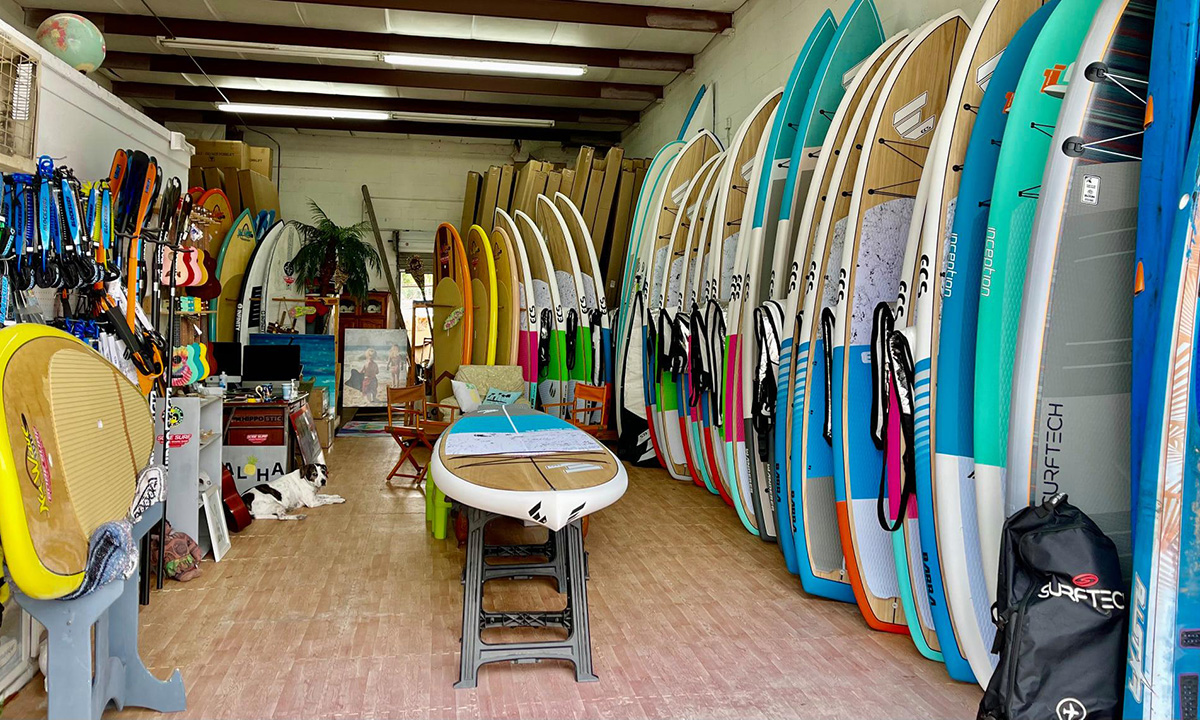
(347, 114)
(256, 48)
(521, 67)
(309, 112)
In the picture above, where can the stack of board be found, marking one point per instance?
(798, 315)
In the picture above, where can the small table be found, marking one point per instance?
(506, 460)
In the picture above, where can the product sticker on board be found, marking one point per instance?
(1091, 190)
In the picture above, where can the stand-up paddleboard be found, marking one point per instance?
(656, 248)
(1069, 422)
(530, 313)
(732, 188)
(508, 301)
(742, 447)
(220, 218)
(1164, 147)
(578, 336)
(675, 320)
(956, 269)
(893, 380)
(280, 282)
(235, 253)
(482, 267)
(513, 461)
(1164, 657)
(547, 304)
(593, 292)
(894, 148)
(633, 434)
(819, 559)
(694, 217)
(1032, 114)
(248, 317)
(852, 41)
(452, 325)
(701, 374)
(949, 543)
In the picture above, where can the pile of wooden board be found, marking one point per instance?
(604, 189)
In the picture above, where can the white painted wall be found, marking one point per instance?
(755, 59)
(415, 182)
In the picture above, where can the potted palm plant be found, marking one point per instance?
(334, 259)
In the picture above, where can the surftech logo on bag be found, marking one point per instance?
(1100, 599)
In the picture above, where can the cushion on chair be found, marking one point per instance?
(486, 378)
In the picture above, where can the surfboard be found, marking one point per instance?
(732, 195)
(656, 247)
(248, 317)
(1069, 420)
(482, 268)
(949, 542)
(634, 441)
(743, 453)
(517, 462)
(1164, 147)
(676, 320)
(693, 216)
(1163, 661)
(452, 322)
(530, 314)
(1031, 117)
(552, 342)
(279, 281)
(894, 148)
(508, 301)
(235, 253)
(809, 488)
(852, 41)
(593, 292)
(956, 269)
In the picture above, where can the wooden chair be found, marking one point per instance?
(589, 400)
(409, 425)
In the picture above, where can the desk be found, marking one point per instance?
(513, 461)
(258, 440)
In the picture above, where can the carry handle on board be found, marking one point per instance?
(827, 336)
(898, 375)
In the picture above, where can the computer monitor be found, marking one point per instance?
(229, 359)
(270, 363)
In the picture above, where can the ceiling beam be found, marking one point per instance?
(570, 11)
(191, 93)
(147, 26)
(150, 62)
(569, 137)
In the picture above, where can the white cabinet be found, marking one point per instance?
(195, 437)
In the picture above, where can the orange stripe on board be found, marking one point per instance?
(860, 593)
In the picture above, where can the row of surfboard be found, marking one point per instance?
(527, 292)
(896, 308)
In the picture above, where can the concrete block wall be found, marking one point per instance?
(742, 67)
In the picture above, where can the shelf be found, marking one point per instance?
(211, 441)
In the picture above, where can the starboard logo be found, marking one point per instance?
(983, 74)
(1070, 709)
(1101, 600)
(908, 120)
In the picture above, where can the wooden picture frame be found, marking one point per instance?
(218, 531)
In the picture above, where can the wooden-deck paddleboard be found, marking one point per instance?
(575, 306)
(529, 313)
(552, 340)
(78, 434)
(508, 299)
(819, 559)
(235, 253)
(894, 148)
(732, 190)
(517, 462)
(482, 268)
(952, 568)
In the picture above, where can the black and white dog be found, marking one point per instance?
(297, 489)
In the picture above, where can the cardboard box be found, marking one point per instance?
(195, 177)
(260, 161)
(258, 192)
(233, 191)
(221, 153)
(214, 178)
(326, 429)
(318, 401)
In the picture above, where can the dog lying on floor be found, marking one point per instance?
(297, 489)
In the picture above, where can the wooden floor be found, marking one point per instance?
(355, 612)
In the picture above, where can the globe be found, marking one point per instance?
(73, 39)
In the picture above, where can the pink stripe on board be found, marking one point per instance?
(894, 458)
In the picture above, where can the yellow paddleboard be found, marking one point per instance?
(508, 299)
(482, 267)
(231, 266)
